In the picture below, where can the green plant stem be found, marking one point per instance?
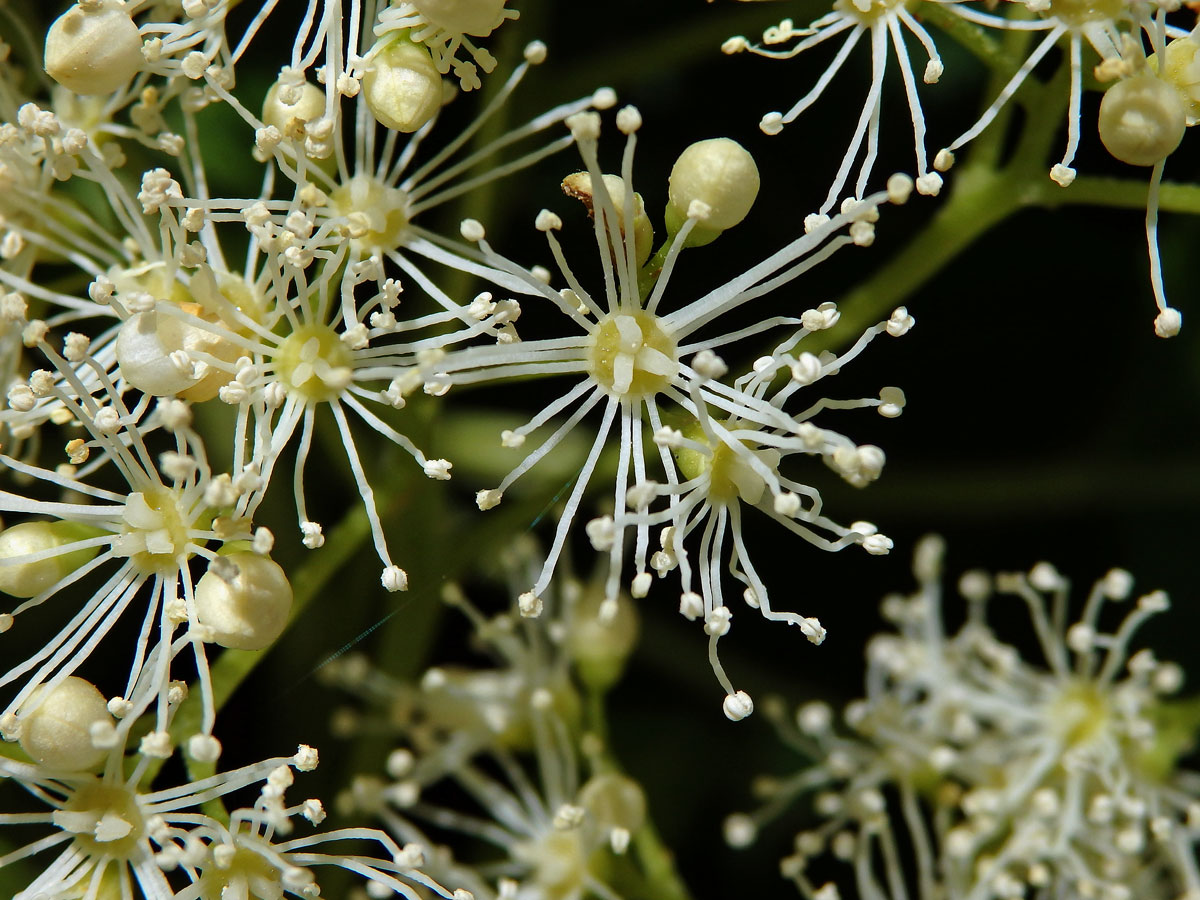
(980, 199)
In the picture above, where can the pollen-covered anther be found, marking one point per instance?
(629, 119)
(899, 188)
(394, 578)
(877, 544)
(529, 605)
(824, 316)
(737, 706)
(601, 532)
(1168, 322)
(716, 623)
(929, 184)
(900, 322)
(787, 504)
(547, 221)
(313, 536)
(488, 499)
(891, 402)
(438, 469)
(708, 365)
(1063, 176)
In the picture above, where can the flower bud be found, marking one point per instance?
(601, 637)
(722, 175)
(146, 341)
(614, 801)
(285, 101)
(243, 600)
(94, 50)
(477, 17)
(579, 186)
(28, 579)
(1142, 119)
(402, 87)
(58, 730)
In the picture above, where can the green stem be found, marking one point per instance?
(1122, 193)
(980, 199)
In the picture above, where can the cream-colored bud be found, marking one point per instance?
(28, 579)
(614, 801)
(93, 50)
(57, 731)
(243, 600)
(1142, 120)
(308, 103)
(722, 175)
(477, 17)
(601, 637)
(579, 186)
(402, 87)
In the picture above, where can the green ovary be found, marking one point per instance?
(630, 355)
(314, 363)
(730, 476)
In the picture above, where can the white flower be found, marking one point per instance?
(628, 357)
(884, 21)
(146, 537)
(446, 28)
(1005, 775)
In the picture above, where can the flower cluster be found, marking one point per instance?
(1146, 105)
(1004, 775)
(247, 249)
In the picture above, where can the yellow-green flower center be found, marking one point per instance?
(731, 477)
(629, 354)
(155, 529)
(314, 363)
(1080, 714)
(377, 214)
(105, 820)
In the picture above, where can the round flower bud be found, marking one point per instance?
(1142, 120)
(721, 175)
(243, 600)
(402, 87)
(144, 346)
(285, 102)
(93, 50)
(28, 579)
(477, 17)
(57, 732)
(601, 637)
(579, 186)
(614, 801)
